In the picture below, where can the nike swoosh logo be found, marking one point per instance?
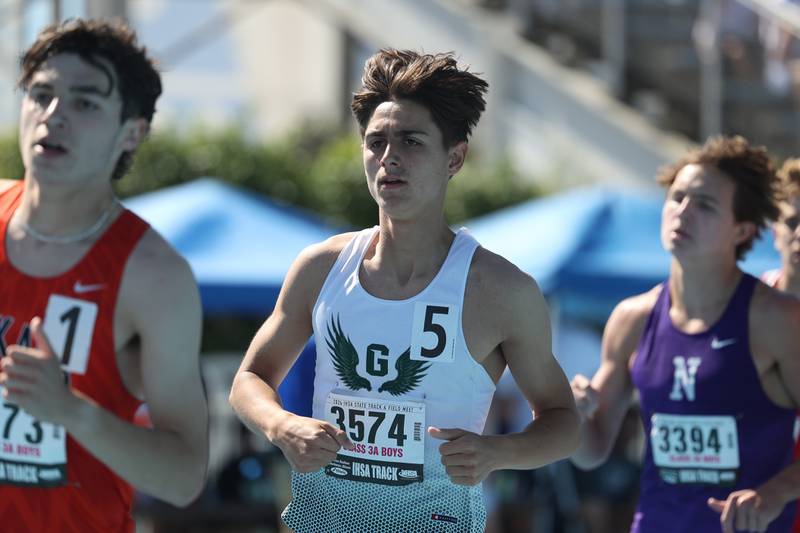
(80, 288)
(716, 344)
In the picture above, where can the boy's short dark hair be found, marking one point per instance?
(134, 75)
(750, 170)
(454, 97)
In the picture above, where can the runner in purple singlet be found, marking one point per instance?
(713, 354)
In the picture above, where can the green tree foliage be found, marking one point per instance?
(479, 189)
(315, 168)
(10, 158)
(168, 158)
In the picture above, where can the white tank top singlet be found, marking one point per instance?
(385, 371)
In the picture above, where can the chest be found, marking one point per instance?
(44, 260)
(692, 372)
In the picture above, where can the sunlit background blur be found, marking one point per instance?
(254, 156)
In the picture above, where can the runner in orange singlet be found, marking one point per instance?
(97, 312)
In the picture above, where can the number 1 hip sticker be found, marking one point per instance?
(433, 332)
(69, 324)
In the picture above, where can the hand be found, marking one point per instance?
(32, 378)
(585, 396)
(747, 510)
(309, 444)
(467, 458)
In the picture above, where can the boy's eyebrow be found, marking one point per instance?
(40, 85)
(81, 89)
(401, 133)
(88, 89)
(413, 132)
(706, 197)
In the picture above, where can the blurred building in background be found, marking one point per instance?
(625, 84)
(271, 65)
(597, 90)
(698, 67)
(262, 64)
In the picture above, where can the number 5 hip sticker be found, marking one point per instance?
(69, 324)
(433, 332)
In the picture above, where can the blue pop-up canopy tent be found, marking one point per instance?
(589, 248)
(240, 246)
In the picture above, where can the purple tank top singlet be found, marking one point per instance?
(709, 426)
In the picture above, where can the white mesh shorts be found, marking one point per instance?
(325, 504)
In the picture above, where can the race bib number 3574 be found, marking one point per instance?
(389, 439)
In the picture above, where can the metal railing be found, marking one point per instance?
(785, 14)
(713, 80)
(710, 92)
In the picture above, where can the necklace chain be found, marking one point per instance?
(75, 237)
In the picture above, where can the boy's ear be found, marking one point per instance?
(744, 231)
(135, 130)
(456, 156)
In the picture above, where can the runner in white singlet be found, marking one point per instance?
(414, 325)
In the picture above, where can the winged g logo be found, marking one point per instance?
(345, 361)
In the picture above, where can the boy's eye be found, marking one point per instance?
(41, 98)
(82, 104)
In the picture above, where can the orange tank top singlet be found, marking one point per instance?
(82, 495)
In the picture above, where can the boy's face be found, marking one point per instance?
(406, 164)
(70, 123)
(697, 220)
(787, 233)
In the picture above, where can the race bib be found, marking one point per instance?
(69, 324)
(695, 449)
(433, 332)
(389, 439)
(32, 453)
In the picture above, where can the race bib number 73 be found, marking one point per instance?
(32, 453)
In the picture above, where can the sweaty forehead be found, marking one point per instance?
(701, 177)
(70, 70)
(401, 115)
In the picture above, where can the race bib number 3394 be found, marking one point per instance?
(695, 449)
(388, 438)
